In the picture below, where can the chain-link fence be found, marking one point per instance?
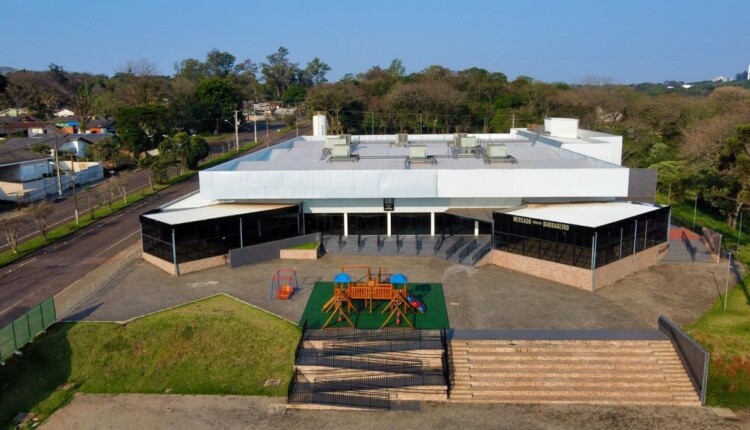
(21, 331)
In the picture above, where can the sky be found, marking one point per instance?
(626, 42)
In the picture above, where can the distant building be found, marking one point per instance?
(14, 112)
(65, 112)
(720, 79)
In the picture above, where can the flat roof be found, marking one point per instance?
(381, 153)
(195, 208)
(584, 214)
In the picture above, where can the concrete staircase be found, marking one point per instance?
(368, 369)
(409, 245)
(617, 372)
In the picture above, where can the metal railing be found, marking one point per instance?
(439, 244)
(481, 253)
(453, 248)
(418, 243)
(693, 357)
(341, 241)
(381, 243)
(688, 245)
(467, 250)
(446, 360)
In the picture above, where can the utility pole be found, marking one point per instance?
(372, 123)
(73, 176)
(236, 133)
(513, 119)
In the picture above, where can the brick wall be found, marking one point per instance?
(613, 272)
(298, 254)
(562, 273)
(164, 265)
(206, 263)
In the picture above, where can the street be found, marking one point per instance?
(36, 277)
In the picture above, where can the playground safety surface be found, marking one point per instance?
(431, 294)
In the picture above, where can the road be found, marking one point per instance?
(64, 208)
(44, 273)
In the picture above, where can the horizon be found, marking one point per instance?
(631, 43)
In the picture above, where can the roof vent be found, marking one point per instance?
(402, 139)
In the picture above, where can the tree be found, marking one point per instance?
(397, 68)
(315, 72)
(11, 228)
(294, 95)
(279, 73)
(39, 213)
(141, 128)
(217, 99)
(185, 150)
(121, 182)
(219, 63)
(148, 164)
(342, 103)
(83, 102)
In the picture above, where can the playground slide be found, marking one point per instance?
(416, 303)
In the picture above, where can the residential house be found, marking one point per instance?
(64, 112)
(22, 175)
(14, 112)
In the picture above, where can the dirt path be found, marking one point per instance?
(141, 411)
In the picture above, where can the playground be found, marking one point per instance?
(360, 298)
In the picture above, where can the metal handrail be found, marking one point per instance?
(466, 251)
(481, 253)
(688, 245)
(453, 248)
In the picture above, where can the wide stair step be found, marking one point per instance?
(569, 371)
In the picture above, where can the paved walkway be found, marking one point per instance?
(484, 297)
(139, 411)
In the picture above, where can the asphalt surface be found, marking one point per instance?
(64, 207)
(36, 277)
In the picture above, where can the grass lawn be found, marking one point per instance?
(436, 316)
(215, 346)
(726, 335)
(306, 246)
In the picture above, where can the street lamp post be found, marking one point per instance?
(73, 177)
(236, 133)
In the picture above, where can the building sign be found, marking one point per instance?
(545, 224)
(388, 205)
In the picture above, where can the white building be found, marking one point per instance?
(435, 186)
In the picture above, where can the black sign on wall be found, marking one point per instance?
(388, 205)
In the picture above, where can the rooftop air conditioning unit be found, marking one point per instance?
(469, 142)
(417, 152)
(402, 139)
(497, 151)
(341, 151)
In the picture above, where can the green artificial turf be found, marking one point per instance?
(435, 317)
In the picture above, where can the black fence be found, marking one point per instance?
(267, 251)
(694, 358)
(303, 391)
(453, 248)
(467, 250)
(481, 253)
(688, 245)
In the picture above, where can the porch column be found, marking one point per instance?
(388, 223)
(346, 224)
(432, 223)
(476, 228)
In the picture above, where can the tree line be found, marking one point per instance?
(698, 138)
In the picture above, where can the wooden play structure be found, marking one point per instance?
(284, 284)
(368, 289)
